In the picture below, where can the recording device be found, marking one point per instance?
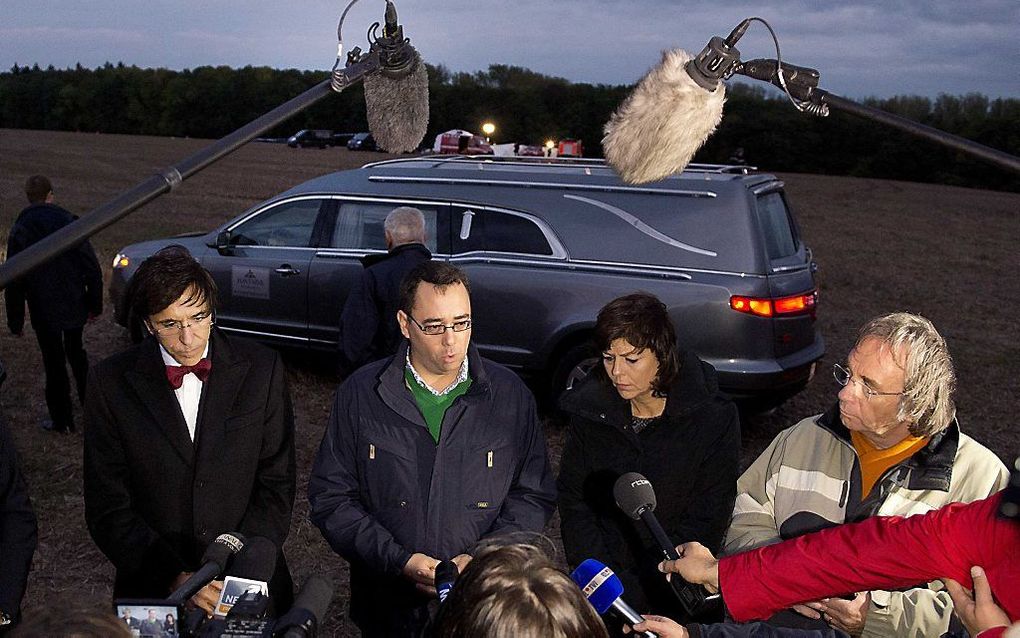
(396, 85)
(603, 590)
(214, 563)
(635, 496)
(675, 107)
(446, 576)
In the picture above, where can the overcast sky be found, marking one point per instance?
(861, 47)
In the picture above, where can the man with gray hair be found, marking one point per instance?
(368, 323)
(891, 446)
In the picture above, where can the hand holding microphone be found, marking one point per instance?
(635, 496)
(695, 564)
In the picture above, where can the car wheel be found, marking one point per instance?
(574, 365)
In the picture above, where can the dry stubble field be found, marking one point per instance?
(947, 253)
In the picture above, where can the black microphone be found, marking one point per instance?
(309, 609)
(397, 96)
(446, 576)
(635, 496)
(214, 562)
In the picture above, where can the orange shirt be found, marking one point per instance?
(874, 462)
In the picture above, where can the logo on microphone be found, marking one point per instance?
(234, 543)
(642, 481)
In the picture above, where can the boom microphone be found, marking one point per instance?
(214, 562)
(603, 589)
(635, 496)
(397, 97)
(663, 123)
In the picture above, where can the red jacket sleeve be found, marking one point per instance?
(879, 553)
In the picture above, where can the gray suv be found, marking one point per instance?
(545, 245)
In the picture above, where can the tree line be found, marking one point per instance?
(527, 107)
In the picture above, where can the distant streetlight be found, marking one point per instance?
(488, 128)
(549, 144)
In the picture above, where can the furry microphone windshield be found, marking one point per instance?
(660, 126)
(397, 106)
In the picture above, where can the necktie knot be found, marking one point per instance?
(175, 374)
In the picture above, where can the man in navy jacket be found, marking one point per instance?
(426, 453)
(62, 294)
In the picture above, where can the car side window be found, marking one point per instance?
(494, 231)
(776, 225)
(287, 224)
(359, 225)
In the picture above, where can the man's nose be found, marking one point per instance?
(448, 337)
(848, 392)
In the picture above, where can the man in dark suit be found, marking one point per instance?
(368, 323)
(62, 294)
(188, 435)
(18, 531)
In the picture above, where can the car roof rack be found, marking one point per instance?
(447, 160)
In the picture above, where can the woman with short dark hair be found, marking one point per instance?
(654, 409)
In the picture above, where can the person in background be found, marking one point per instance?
(654, 409)
(368, 323)
(63, 294)
(425, 453)
(891, 445)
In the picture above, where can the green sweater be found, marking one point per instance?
(433, 407)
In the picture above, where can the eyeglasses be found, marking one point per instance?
(435, 329)
(170, 327)
(843, 377)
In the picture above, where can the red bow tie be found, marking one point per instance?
(175, 374)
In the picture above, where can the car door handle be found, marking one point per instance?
(286, 271)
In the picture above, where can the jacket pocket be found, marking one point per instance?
(487, 472)
(390, 474)
(241, 421)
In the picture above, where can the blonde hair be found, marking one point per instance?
(929, 378)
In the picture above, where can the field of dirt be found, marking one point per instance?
(947, 253)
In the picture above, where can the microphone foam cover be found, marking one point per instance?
(633, 494)
(662, 123)
(397, 108)
(257, 561)
(598, 583)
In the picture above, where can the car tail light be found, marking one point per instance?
(803, 304)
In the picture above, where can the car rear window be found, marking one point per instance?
(493, 231)
(359, 225)
(774, 218)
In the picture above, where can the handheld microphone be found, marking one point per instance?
(635, 496)
(309, 609)
(252, 567)
(214, 562)
(603, 589)
(446, 576)
(397, 97)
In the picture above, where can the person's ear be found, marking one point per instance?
(404, 323)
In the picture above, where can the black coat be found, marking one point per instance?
(368, 323)
(153, 499)
(381, 488)
(18, 532)
(691, 456)
(62, 292)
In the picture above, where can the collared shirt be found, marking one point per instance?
(461, 376)
(190, 392)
